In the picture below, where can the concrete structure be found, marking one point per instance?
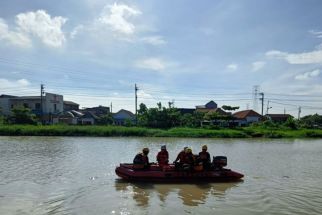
(5, 105)
(122, 116)
(247, 117)
(51, 103)
(69, 105)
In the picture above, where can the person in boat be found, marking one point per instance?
(181, 156)
(204, 157)
(189, 158)
(142, 159)
(163, 156)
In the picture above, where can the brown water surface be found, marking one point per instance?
(75, 175)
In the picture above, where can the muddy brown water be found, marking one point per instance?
(75, 175)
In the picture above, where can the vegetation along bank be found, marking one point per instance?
(117, 131)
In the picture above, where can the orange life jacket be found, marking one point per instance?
(163, 157)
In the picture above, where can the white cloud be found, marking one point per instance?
(308, 75)
(116, 17)
(298, 58)
(232, 67)
(258, 65)
(317, 34)
(76, 30)
(154, 40)
(40, 24)
(151, 64)
(15, 38)
(21, 83)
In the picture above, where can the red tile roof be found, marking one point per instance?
(245, 113)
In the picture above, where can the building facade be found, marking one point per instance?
(51, 103)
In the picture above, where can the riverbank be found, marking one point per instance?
(119, 131)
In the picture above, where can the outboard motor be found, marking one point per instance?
(219, 162)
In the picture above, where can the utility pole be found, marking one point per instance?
(299, 113)
(255, 94)
(284, 111)
(262, 99)
(136, 104)
(41, 103)
(111, 108)
(268, 107)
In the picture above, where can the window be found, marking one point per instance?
(55, 107)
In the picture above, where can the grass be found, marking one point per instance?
(118, 131)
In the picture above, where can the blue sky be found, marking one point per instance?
(189, 52)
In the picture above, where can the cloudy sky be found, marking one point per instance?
(189, 52)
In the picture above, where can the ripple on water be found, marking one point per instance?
(47, 175)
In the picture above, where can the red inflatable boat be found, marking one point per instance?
(170, 174)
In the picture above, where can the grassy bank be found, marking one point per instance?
(117, 131)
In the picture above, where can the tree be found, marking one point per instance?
(291, 123)
(22, 115)
(311, 121)
(187, 120)
(142, 109)
(159, 117)
(106, 119)
(230, 108)
(143, 115)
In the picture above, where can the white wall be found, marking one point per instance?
(51, 100)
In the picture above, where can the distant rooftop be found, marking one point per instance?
(26, 97)
(7, 96)
(70, 103)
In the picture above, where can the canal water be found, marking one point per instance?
(75, 175)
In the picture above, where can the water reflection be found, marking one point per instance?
(190, 194)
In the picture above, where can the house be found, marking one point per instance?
(68, 117)
(65, 117)
(210, 105)
(88, 118)
(123, 116)
(47, 106)
(247, 117)
(69, 105)
(51, 103)
(279, 118)
(98, 111)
